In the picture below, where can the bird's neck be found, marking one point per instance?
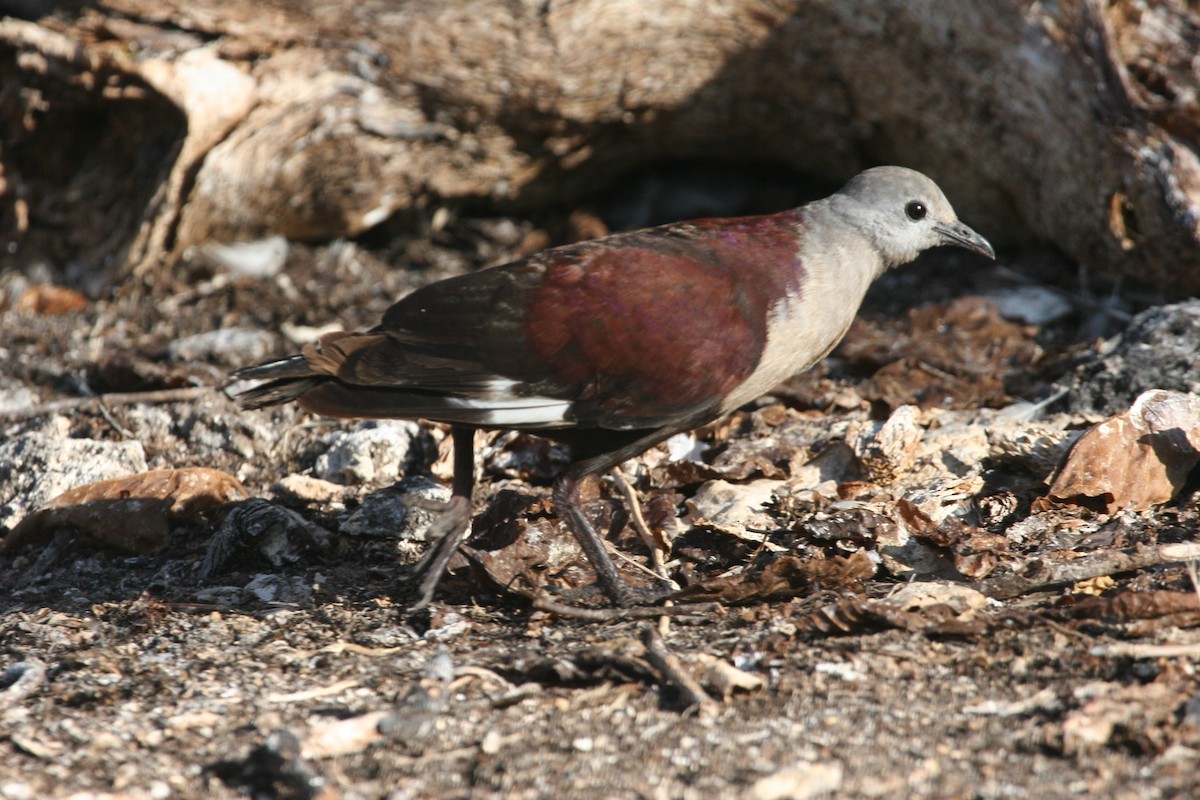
(834, 267)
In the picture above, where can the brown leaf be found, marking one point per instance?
(949, 355)
(1138, 459)
(682, 473)
(935, 609)
(520, 546)
(190, 490)
(519, 566)
(48, 298)
(1135, 605)
(976, 553)
(847, 615)
(134, 525)
(131, 513)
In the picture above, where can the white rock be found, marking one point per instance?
(734, 508)
(373, 452)
(36, 467)
(228, 346)
(1032, 305)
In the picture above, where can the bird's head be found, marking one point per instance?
(904, 213)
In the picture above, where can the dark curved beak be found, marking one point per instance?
(960, 235)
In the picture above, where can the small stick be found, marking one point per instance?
(639, 522)
(118, 427)
(673, 672)
(1039, 574)
(639, 525)
(1136, 650)
(1191, 569)
(102, 400)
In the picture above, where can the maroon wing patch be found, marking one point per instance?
(663, 323)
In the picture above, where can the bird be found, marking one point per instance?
(613, 345)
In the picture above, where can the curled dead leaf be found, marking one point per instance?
(49, 298)
(886, 450)
(975, 552)
(934, 608)
(1136, 605)
(131, 513)
(1138, 459)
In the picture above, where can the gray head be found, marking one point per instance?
(904, 213)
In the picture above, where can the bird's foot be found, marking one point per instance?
(626, 595)
(448, 532)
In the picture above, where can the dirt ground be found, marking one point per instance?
(292, 668)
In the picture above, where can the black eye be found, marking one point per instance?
(915, 210)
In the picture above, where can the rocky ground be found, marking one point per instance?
(899, 579)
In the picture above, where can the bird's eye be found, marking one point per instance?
(915, 210)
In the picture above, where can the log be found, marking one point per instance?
(133, 130)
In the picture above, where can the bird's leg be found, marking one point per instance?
(566, 505)
(451, 529)
(622, 593)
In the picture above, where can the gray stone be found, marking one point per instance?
(373, 452)
(1158, 350)
(36, 467)
(227, 346)
(404, 512)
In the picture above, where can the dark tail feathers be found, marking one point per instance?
(287, 379)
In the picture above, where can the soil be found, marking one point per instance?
(305, 675)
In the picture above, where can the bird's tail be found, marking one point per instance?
(286, 380)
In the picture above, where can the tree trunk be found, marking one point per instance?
(132, 130)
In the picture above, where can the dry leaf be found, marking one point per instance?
(344, 736)
(976, 553)
(1138, 459)
(1135, 605)
(131, 513)
(48, 298)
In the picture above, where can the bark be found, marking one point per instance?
(131, 130)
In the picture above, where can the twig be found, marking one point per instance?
(118, 427)
(673, 672)
(1070, 633)
(639, 522)
(1038, 574)
(100, 401)
(466, 672)
(1191, 568)
(616, 553)
(189, 296)
(337, 648)
(648, 537)
(312, 694)
(1147, 650)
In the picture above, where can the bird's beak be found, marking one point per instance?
(960, 235)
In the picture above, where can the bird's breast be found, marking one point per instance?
(804, 326)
